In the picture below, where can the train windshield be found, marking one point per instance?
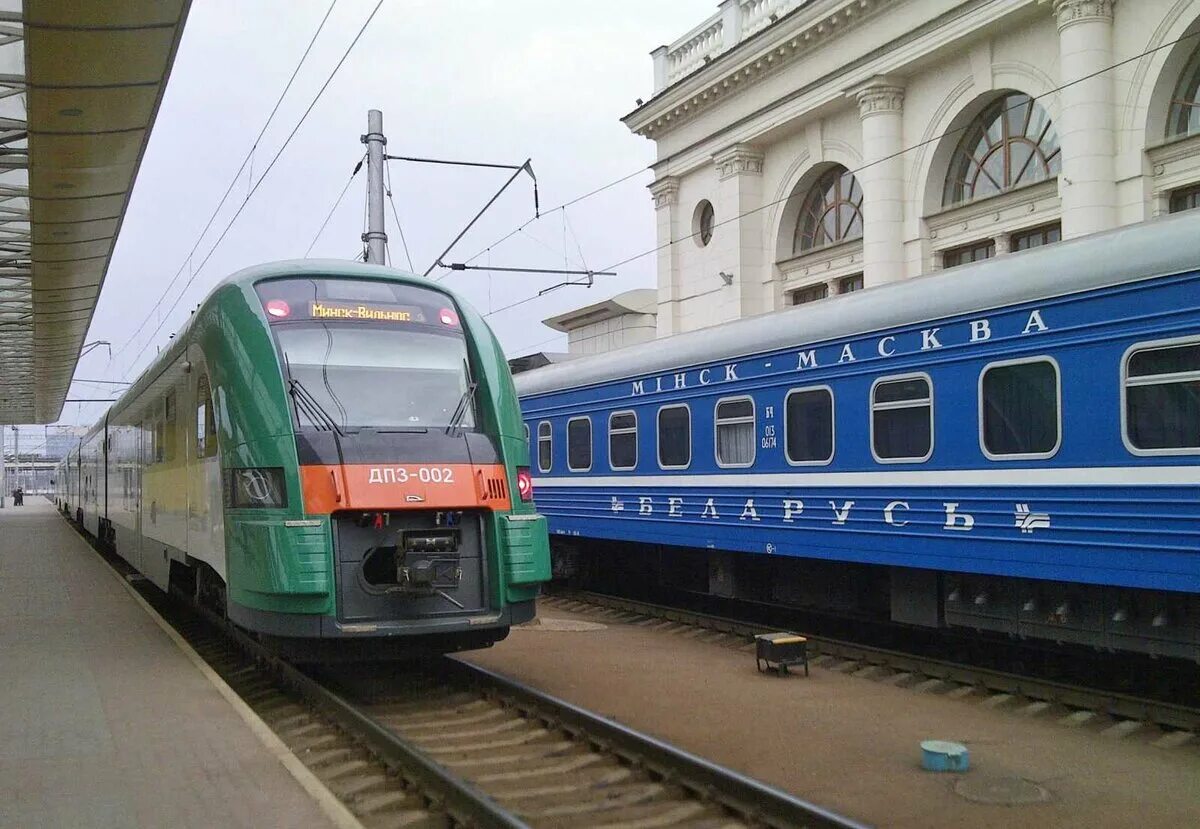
(370, 355)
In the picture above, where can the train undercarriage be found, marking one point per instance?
(1112, 619)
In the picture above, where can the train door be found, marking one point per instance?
(206, 540)
(135, 457)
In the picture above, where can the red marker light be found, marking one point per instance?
(524, 483)
(278, 308)
(448, 317)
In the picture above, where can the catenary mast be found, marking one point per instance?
(375, 237)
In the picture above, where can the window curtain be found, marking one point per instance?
(735, 443)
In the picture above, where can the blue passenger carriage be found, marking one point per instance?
(1011, 446)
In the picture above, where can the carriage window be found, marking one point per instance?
(808, 426)
(545, 447)
(167, 452)
(902, 419)
(622, 440)
(674, 437)
(1162, 398)
(206, 425)
(1019, 409)
(735, 432)
(579, 444)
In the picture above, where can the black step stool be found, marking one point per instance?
(783, 649)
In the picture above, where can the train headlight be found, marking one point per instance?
(255, 487)
(524, 483)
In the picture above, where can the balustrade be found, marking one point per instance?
(734, 21)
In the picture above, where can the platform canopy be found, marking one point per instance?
(80, 85)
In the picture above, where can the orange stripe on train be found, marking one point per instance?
(366, 486)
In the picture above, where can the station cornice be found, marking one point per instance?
(759, 56)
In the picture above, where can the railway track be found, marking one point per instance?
(1120, 714)
(447, 743)
(444, 743)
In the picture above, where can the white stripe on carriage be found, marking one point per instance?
(1080, 476)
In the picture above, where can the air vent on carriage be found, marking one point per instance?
(492, 488)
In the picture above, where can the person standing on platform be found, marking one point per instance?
(18, 497)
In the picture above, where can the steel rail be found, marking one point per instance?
(751, 800)
(464, 803)
(1118, 705)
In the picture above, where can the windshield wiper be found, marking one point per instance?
(464, 405)
(312, 407)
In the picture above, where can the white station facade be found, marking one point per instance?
(809, 148)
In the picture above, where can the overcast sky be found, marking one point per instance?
(486, 80)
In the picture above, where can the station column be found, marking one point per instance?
(665, 192)
(740, 242)
(881, 110)
(1085, 126)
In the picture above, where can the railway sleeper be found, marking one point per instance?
(611, 777)
(561, 765)
(534, 752)
(445, 722)
(619, 797)
(520, 739)
(449, 736)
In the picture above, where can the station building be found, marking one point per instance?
(807, 148)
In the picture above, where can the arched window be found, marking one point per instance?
(832, 212)
(1010, 144)
(1184, 117)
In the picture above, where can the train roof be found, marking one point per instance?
(245, 278)
(324, 267)
(1145, 250)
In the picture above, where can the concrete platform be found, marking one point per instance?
(104, 720)
(849, 743)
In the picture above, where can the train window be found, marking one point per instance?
(526, 435)
(622, 440)
(579, 444)
(158, 441)
(206, 426)
(675, 437)
(902, 419)
(734, 419)
(1162, 398)
(545, 446)
(808, 425)
(168, 442)
(1019, 409)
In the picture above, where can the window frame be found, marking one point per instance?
(958, 250)
(753, 423)
(1024, 456)
(893, 378)
(658, 435)
(1124, 379)
(1179, 194)
(814, 288)
(591, 444)
(843, 281)
(548, 437)
(832, 425)
(623, 431)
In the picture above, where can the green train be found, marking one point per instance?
(330, 454)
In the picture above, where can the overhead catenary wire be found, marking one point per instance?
(336, 202)
(549, 212)
(396, 214)
(287, 141)
(923, 143)
(233, 182)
